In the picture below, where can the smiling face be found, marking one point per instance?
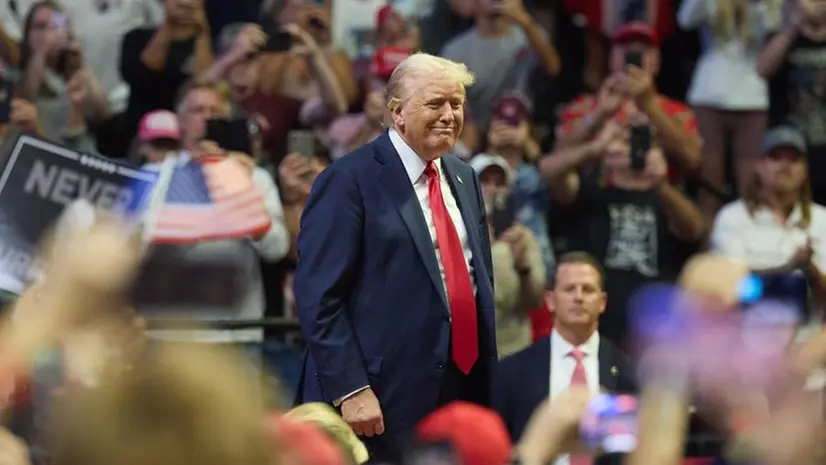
(430, 115)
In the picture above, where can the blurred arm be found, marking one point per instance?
(693, 13)
(560, 171)
(684, 217)
(275, 243)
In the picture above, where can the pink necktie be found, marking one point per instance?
(463, 330)
(579, 379)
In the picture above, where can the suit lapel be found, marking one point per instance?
(608, 370)
(397, 184)
(462, 190)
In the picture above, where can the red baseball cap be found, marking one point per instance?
(512, 108)
(382, 15)
(478, 435)
(636, 31)
(386, 59)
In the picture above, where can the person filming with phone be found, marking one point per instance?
(618, 205)
(55, 76)
(246, 62)
(629, 89)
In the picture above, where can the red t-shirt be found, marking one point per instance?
(586, 105)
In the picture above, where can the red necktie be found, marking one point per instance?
(460, 296)
(579, 379)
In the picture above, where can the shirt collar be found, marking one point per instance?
(560, 348)
(414, 165)
(765, 214)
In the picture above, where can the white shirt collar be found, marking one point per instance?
(764, 214)
(560, 348)
(414, 165)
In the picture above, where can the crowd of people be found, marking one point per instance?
(562, 155)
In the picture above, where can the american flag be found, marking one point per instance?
(210, 198)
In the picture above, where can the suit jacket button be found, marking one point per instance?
(440, 366)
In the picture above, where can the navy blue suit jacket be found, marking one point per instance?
(368, 292)
(523, 380)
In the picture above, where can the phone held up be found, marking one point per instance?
(610, 423)
(233, 135)
(301, 142)
(640, 145)
(633, 58)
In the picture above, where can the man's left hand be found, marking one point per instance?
(639, 86)
(515, 10)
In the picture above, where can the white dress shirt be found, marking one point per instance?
(414, 165)
(562, 369)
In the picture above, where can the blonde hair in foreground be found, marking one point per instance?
(422, 67)
(181, 405)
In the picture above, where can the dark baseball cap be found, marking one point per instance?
(785, 136)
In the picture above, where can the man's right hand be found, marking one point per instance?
(363, 413)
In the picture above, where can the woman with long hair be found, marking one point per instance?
(729, 97)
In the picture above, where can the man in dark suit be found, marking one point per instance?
(574, 354)
(393, 287)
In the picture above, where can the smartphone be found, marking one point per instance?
(633, 58)
(503, 215)
(278, 41)
(233, 135)
(640, 145)
(440, 453)
(5, 99)
(610, 423)
(170, 279)
(790, 290)
(302, 142)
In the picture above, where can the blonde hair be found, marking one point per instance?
(426, 66)
(183, 404)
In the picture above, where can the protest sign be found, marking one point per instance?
(39, 180)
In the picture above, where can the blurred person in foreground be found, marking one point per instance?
(473, 435)
(636, 223)
(330, 422)
(775, 226)
(518, 269)
(245, 65)
(628, 91)
(574, 355)
(397, 310)
(200, 103)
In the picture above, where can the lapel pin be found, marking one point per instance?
(614, 371)
(459, 179)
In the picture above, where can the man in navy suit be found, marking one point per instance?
(574, 353)
(394, 285)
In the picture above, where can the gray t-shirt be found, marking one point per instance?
(501, 64)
